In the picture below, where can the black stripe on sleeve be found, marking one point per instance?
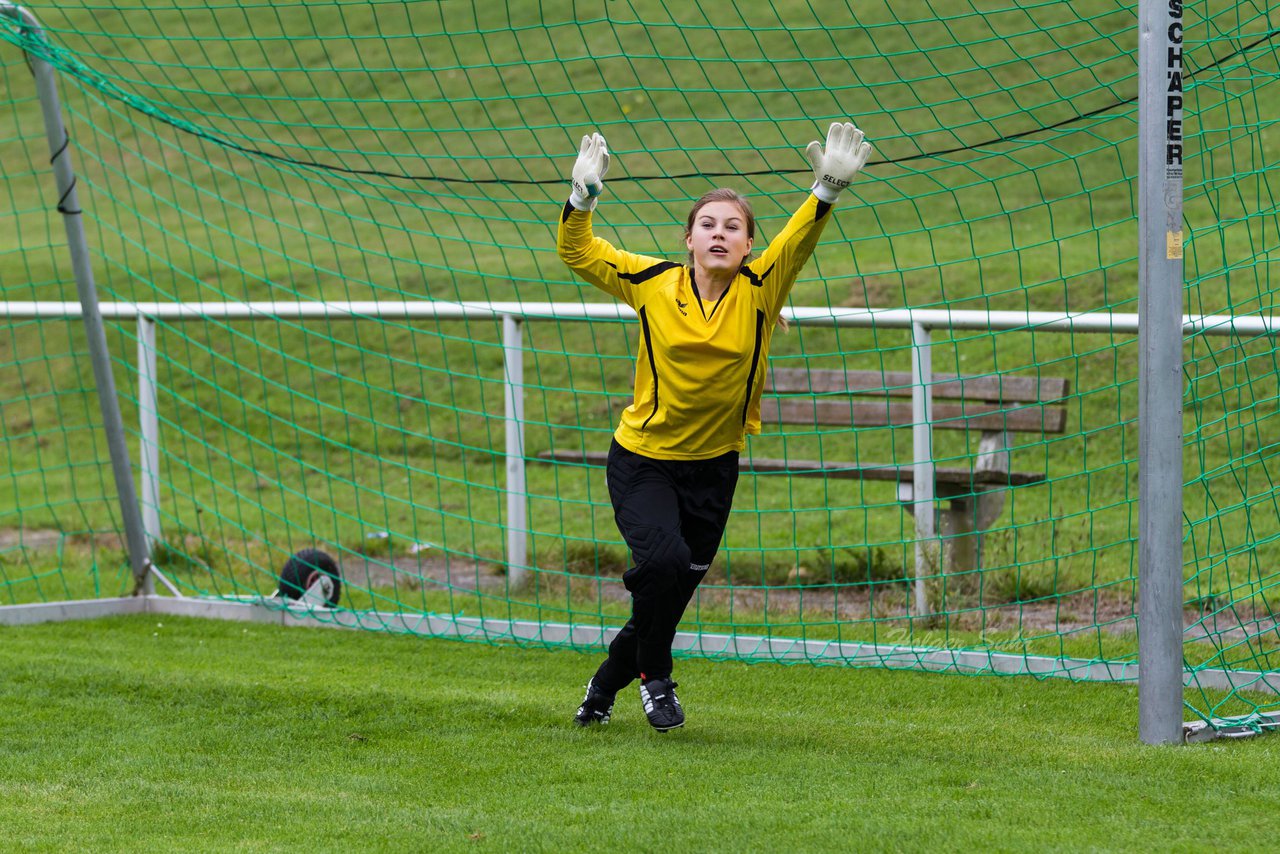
(823, 207)
(758, 281)
(653, 365)
(647, 273)
(568, 209)
(755, 360)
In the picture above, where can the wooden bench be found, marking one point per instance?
(995, 405)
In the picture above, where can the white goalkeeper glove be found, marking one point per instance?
(588, 172)
(835, 167)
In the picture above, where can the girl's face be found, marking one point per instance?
(718, 240)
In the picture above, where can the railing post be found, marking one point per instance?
(149, 430)
(517, 492)
(927, 552)
(99, 355)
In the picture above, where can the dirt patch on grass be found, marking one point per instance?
(18, 538)
(1232, 623)
(856, 603)
(426, 570)
(890, 604)
(46, 540)
(872, 291)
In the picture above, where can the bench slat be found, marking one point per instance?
(997, 388)
(946, 416)
(845, 471)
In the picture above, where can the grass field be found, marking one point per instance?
(138, 734)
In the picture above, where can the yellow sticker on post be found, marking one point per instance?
(1173, 245)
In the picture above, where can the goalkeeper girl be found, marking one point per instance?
(703, 349)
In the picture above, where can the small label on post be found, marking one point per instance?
(1173, 244)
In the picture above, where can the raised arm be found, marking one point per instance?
(594, 259)
(834, 168)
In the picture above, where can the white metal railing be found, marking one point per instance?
(885, 318)
(513, 314)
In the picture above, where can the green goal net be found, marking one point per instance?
(419, 384)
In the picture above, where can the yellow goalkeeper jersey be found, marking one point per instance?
(700, 365)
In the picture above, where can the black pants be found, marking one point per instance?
(672, 513)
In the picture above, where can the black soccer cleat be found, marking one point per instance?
(596, 707)
(660, 704)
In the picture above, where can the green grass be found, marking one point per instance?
(152, 733)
